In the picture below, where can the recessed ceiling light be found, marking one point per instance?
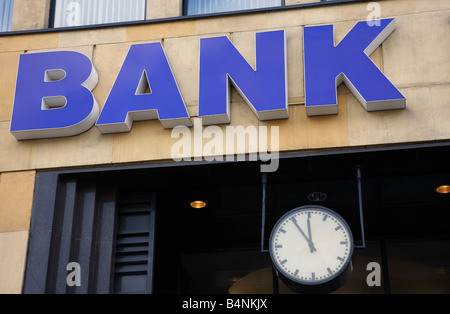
(198, 204)
(443, 189)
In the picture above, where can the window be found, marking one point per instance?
(6, 10)
(193, 7)
(67, 13)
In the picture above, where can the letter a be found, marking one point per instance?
(74, 277)
(145, 89)
(374, 277)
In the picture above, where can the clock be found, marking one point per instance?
(311, 248)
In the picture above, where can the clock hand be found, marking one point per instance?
(310, 244)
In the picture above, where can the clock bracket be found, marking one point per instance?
(360, 203)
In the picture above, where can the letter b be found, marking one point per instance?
(53, 95)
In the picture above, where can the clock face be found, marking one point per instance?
(311, 245)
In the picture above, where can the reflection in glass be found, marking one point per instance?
(70, 13)
(6, 11)
(214, 6)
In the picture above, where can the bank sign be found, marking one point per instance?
(54, 97)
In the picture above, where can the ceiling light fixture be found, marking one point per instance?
(443, 189)
(316, 196)
(198, 204)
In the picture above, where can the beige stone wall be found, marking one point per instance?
(157, 9)
(16, 197)
(28, 15)
(415, 58)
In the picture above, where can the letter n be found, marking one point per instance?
(263, 88)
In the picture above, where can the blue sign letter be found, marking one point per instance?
(53, 95)
(145, 89)
(264, 88)
(327, 66)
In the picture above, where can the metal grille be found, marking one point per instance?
(133, 241)
(88, 222)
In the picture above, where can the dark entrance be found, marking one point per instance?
(217, 249)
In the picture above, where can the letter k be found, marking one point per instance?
(327, 66)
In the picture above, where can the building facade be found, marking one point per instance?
(110, 207)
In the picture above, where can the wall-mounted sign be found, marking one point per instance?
(54, 89)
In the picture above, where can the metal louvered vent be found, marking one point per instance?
(133, 262)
